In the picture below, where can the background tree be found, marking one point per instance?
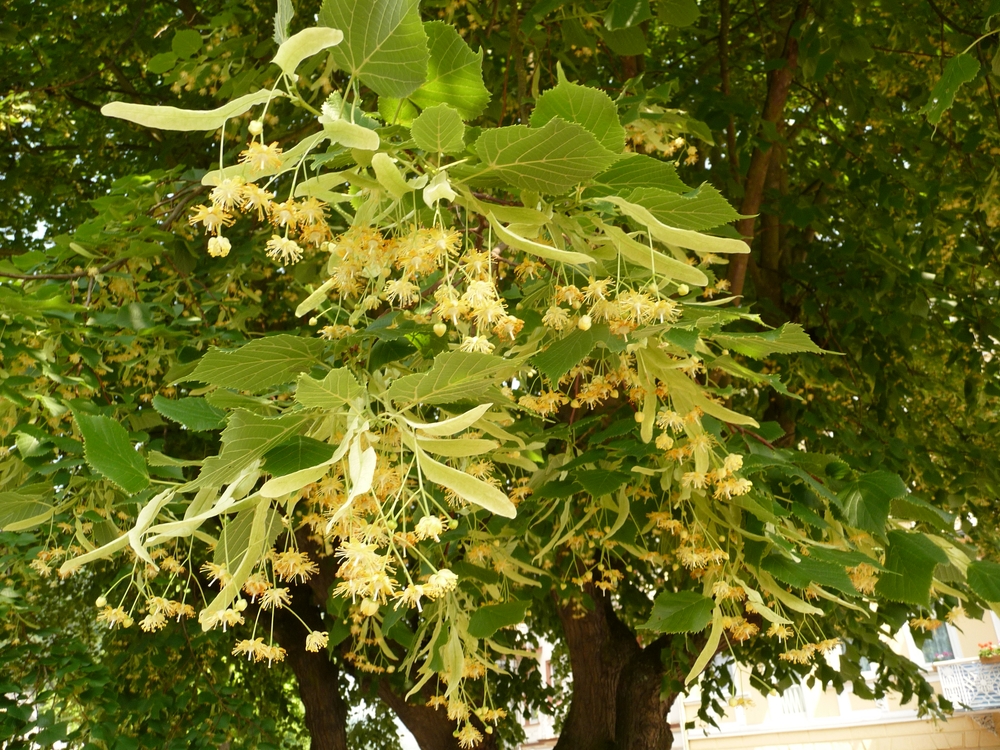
(599, 534)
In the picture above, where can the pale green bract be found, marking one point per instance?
(305, 44)
(172, 118)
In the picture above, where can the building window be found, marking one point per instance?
(938, 646)
(793, 701)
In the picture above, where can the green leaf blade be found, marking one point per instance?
(551, 159)
(680, 612)
(194, 413)
(454, 73)
(439, 129)
(260, 364)
(384, 45)
(487, 620)
(110, 453)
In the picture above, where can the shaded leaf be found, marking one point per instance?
(259, 364)
(109, 452)
(867, 500)
(298, 453)
(680, 612)
(18, 512)
(704, 208)
(192, 412)
(485, 621)
(959, 70)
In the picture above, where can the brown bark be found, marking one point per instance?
(317, 676)
(617, 702)
(429, 726)
(779, 84)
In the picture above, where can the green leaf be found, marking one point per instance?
(914, 508)
(172, 118)
(551, 159)
(186, 42)
(305, 44)
(162, 63)
(622, 14)
(338, 390)
(639, 171)
(704, 208)
(454, 73)
(454, 376)
(485, 621)
(599, 482)
(439, 129)
(867, 500)
(260, 364)
(626, 42)
(296, 454)
(109, 452)
(194, 413)
(680, 612)
(588, 107)
(561, 356)
(235, 537)
(984, 579)
(18, 512)
(807, 571)
(910, 560)
(678, 12)
(960, 69)
(384, 43)
(282, 20)
(247, 438)
(788, 339)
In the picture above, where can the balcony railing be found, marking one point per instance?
(970, 684)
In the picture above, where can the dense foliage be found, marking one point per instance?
(421, 342)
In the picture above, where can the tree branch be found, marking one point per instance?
(779, 84)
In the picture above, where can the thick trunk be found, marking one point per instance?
(617, 702)
(326, 713)
(430, 727)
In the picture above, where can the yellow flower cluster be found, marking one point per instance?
(302, 221)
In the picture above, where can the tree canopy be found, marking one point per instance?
(358, 338)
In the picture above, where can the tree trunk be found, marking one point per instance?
(326, 712)
(617, 702)
(429, 726)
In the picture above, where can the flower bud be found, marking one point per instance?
(584, 323)
(101, 602)
(683, 289)
(440, 329)
(256, 127)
